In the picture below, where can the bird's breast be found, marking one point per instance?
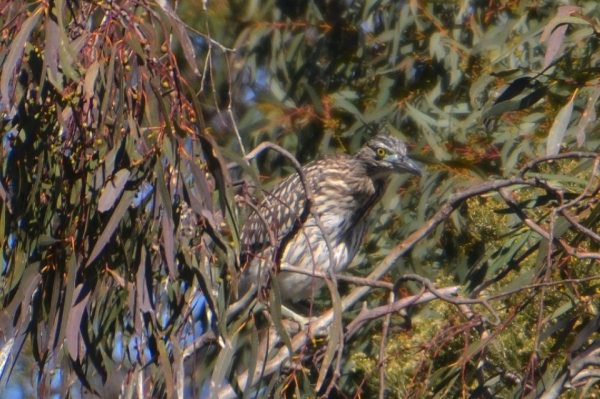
(342, 204)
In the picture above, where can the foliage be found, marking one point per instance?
(127, 160)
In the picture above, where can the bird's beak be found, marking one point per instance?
(404, 164)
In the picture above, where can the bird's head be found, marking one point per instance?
(384, 155)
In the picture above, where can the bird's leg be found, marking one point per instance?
(302, 320)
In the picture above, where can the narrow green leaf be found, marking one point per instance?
(51, 53)
(588, 116)
(15, 53)
(80, 301)
(143, 286)
(89, 82)
(559, 127)
(335, 334)
(111, 226)
(275, 306)
(254, 356)
(229, 154)
(5, 353)
(560, 20)
(224, 362)
(70, 283)
(166, 369)
(168, 245)
(180, 30)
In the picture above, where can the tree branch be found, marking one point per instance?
(367, 315)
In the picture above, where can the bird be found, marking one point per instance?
(285, 229)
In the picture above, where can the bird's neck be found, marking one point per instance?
(369, 185)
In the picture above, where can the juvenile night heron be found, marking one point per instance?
(345, 189)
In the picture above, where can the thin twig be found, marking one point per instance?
(456, 301)
(211, 40)
(510, 201)
(384, 332)
(583, 230)
(200, 342)
(543, 284)
(254, 286)
(585, 190)
(511, 265)
(547, 158)
(230, 111)
(366, 314)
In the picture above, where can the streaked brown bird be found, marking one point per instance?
(345, 189)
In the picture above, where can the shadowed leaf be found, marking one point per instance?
(180, 30)
(12, 59)
(113, 190)
(111, 226)
(81, 296)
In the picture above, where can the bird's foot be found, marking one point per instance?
(303, 321)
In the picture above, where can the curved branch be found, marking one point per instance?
(567, 155)
(455, 301)
(366, 315)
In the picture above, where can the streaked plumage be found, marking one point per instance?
(345, 189)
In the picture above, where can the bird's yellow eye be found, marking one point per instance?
(380, 152)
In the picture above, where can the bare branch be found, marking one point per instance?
(200, 342)
(268, 145)
(579, 227)
(585, 190)
(456, 301)
(548, 158)
(211, 40)
(382, 345)
(367, 315)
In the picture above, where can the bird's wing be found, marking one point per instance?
(283, 210)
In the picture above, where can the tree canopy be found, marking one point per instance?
(137, 135)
